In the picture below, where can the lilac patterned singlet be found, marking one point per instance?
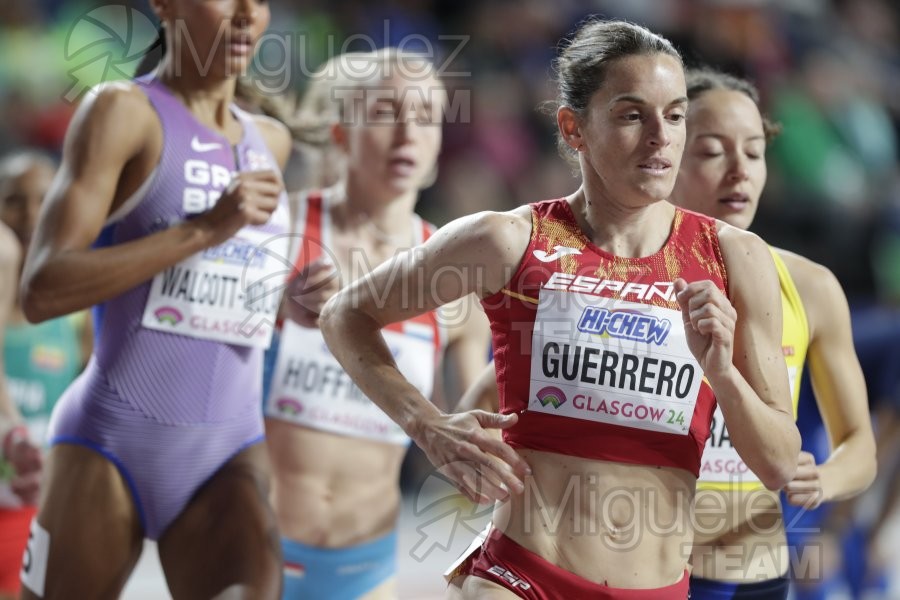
(173, 389)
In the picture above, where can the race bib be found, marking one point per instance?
(228, 293)
(612, 361)
(721, 463)
(311, 388)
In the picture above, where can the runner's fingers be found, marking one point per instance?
(697, 296)
(487, 488)
(700, 291)
(497, 472)
(26, 487)
(262, 189)
(468, 482)
(25, 458)
(256, 216)
(806, 458)
(713, 327)
(711, 311)
(265, 202)
(806, 500)
(455, 475)
(803, 486)
(806, 473)
(322, 279)
(518, 468)
(260, 175)
(495, 477)
(320, 266)
(266, 178)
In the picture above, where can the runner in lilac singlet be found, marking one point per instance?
(167, 214)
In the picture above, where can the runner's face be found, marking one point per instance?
(395, 136)
(218, 36)
(633, 134)
(724, 168)
(21, 198)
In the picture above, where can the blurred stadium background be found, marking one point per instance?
(828, 70)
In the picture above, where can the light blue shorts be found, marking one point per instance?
(337, 573)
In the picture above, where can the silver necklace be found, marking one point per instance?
(384, 237)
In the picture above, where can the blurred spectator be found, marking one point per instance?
(829, 71)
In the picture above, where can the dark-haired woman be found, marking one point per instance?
(166, 213)
(742, 553)
(617, 318)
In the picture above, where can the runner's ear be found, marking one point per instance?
(569, 127)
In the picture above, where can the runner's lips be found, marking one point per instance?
(657, 163)
(403, 161)
(736, 197)
(240, 43)
(736, 201)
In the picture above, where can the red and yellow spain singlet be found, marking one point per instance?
(590, 349)
(722, 467)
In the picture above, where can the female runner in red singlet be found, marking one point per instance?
(616, 318)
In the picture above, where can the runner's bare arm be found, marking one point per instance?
(840, 391)
(10, 257)
(745, 366)
(473, 254)
(62, 273)
(86, 337)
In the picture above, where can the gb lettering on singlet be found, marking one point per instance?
(310, 388)
(721, 463)
(228, 293)
(612, 361)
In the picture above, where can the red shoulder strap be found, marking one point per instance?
(310, 230)
(427, 230)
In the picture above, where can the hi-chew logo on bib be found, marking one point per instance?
(237, 251)
(612, 361)
(625, 324)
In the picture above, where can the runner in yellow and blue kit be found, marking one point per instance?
(740, 550)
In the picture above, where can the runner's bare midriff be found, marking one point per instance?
(602, 520)
(323, 499)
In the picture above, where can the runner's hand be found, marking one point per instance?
(482, 467)
(805, 489)
(308, 292)
(250, 199)
(709, 320)
(26, 461)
